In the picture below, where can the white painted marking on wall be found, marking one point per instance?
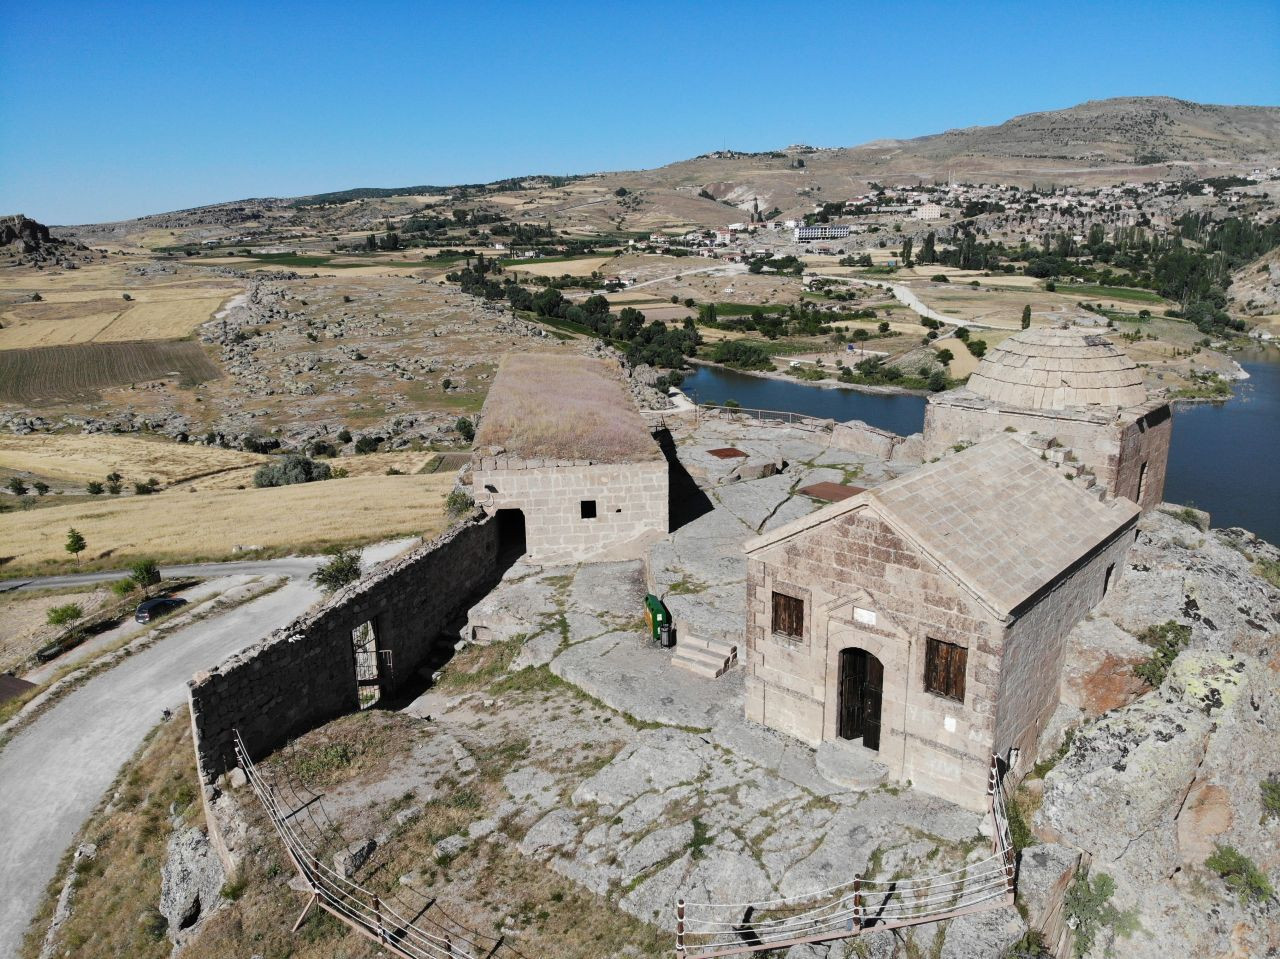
(865, 616)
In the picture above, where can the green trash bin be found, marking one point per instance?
(656, 617)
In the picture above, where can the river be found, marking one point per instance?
(1225, 457)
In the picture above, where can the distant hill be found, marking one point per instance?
(1096, 143)
(1137, 129)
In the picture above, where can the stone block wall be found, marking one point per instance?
(859, 437)
(631, 503)
(845, 569)
(303, 675)
(1034, 646)
(1113, 446)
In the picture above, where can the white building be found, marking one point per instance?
(929, 211)
(822, 231)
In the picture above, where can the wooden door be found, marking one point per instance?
(853, 676)
(872, 694)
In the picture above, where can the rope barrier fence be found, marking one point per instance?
(863, 903)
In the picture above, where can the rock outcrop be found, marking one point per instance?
(191, 881)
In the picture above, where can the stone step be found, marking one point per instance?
(711, 659)
(721, 647)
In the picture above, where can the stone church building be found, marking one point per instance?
(921, 624)
(1072, 386)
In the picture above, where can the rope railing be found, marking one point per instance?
(368, 913)
(706, 930)
(767, 416)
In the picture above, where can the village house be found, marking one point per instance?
(916, 629)
(1080, 394)
(566, 463)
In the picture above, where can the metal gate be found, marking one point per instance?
(369, 663)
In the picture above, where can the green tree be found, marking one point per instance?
(292, 469)
(906, 252)
(115, 483)
(884, 326)
(61, 615)
(145, 573)
(40, 487)
(75, 543)
(1026, 316)
(466, 429)
(94, 488)
(342, 567)
(16, 486)
(945, 356)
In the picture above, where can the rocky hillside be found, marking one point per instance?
(18, 234)
(1134, 129)
(1173, 792)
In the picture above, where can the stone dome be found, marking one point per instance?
(1057, 369)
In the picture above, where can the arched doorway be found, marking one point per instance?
(860, 693)
(511, 535)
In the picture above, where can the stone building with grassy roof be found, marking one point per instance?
(912, 631)
(1083, 396)
(566, 463)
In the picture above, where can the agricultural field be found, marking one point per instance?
(24, 618)
(167, 315)
(51, 375)
(177, 525)
(406, 462)
(76, 459)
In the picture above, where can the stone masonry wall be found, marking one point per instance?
(857, 561)
(631, 503)
(1113, 447)
(304, 674)
(1034, 646)
(859, 437)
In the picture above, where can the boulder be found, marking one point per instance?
(191, 881)
(347, 861)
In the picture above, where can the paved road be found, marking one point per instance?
(288, 566)
(54, 772)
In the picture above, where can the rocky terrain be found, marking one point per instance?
(588, 757)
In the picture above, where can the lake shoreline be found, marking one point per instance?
(778, 375)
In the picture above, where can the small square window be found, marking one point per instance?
(588, 509)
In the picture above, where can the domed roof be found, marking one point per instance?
(1056, 369)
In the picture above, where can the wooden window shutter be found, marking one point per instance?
(944, 668)
(788, 615)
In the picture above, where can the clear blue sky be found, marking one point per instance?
(112, 110)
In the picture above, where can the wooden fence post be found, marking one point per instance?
(680, 928)
(377, 916)
(857, 900)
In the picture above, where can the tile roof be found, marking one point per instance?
(1001, 520)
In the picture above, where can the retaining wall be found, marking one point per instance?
(304, 674)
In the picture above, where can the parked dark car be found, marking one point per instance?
(149, 610)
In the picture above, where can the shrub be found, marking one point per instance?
(323, 448)
(1246, 880)
(458, 503)
(939, 278)
(977, 347)
(293, 469)
(61, 615)
(344, 436)
(368, 444)
(16, 486)
(342, 567)
(1270, 789)
(146, 489)
(466, 429)
(1089, 910)
(94, 488)
(145, 573)
(122, 587)
(1166, 641)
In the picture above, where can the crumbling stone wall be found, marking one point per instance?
(631, 503)
(304, 674)
(1113, 445)
(859, 437)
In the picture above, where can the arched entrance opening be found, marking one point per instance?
(860, 693)
(511, 535)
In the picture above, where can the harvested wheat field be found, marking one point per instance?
(557, 267)
(565, 407)
(79, 458)
(49, 375)
(180, 525)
